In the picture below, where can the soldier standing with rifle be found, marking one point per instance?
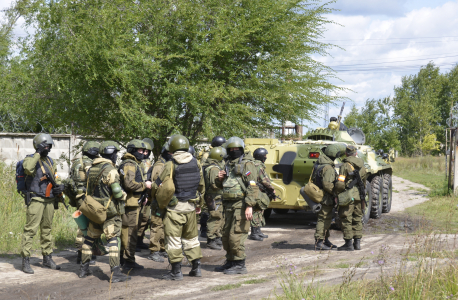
(260, 155)
(41, 199)
(352, 180)
(133, 182)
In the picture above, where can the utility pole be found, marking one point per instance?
(326, 112)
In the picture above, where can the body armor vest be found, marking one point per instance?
(35, 184)
(232, 190)
(186, 180)
(96, 187)
(139, 176)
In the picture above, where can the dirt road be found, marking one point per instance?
(290, 241)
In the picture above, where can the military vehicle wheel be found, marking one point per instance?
(367, 210)
(267, 213)
(377, 197)
(387, 193)
(281, 211)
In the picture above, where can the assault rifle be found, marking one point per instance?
(52, 185)
(142, 197)
(270, 193)
(361, 188)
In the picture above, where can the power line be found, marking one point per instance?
(392, 61)
(432, 37)
(375, 59)
(414, 42)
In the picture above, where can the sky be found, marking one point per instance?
(382, 41)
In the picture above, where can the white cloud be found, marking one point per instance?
(370, 7)
(368, 40)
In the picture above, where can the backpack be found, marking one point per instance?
(20, 178)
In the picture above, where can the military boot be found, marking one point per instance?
(84, 270)
(155, 256)
(319, 245)
(237, 268)
(328, 243)
(132, 265)
(224, 267)
(219, 241)
(348, 246)
(357, 244)
(211, 244)
(264, 236)
(254, 235)
(93, 259)
(195, 269)
(203, 231)
(78, 258)
(175, 273)
(141, 244)
(26, 265)
(48, 262)
(163, 254)
(117, 275)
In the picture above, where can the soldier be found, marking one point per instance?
(324, 176)
(213, 197)
(78, 171)
(103, 185)
(217, 141)
(352, 214)
(239, 196)
(260, 155)
(156, 241)
(133, 182)
(180, 224)
(145, 212)
(40, 211)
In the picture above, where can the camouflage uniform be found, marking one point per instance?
(40, 211)
(145, 212)
(180, 224)
(156, 241)
(328, 175)
(258, 212)
(214, 193)
(101, 176)
(352, 214)
(78, 174)
(236, 198)
(133, 182)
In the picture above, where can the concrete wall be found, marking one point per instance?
(15, 146)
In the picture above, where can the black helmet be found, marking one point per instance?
(260, 154)
(192, 151)
(218, 141)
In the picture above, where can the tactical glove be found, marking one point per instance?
(58, 189)
(42, 150)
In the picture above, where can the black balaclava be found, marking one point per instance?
(138, 156)
(264, 159)
(113, 157)
(90, 156)
(146, 156)
(234, 154)
(166, 155)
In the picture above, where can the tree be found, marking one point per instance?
(121, 69)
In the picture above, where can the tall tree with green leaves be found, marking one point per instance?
(120, 69)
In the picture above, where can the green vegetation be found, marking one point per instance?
(341, 265)
(13, 218)
(413, 121)
(239, 284)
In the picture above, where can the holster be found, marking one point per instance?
(27, 198)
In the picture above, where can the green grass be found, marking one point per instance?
(341, 265)
(13, 217)
(232, 286)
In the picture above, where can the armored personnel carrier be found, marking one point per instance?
(289, 166)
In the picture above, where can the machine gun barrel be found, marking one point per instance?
(268, 192)
(341, 112)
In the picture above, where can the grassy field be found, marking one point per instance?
(12, 216)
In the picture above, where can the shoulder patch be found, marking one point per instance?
(247, 173)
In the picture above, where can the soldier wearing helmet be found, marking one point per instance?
(133, 182)
(145, 212)
(40, 211)
(180, 224)
(103, 184)
(213, 197)
(90, 151)
(324, 176)
(260, 155)
(239, 197)
(156, 241)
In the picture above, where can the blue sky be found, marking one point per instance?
(387, 39)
